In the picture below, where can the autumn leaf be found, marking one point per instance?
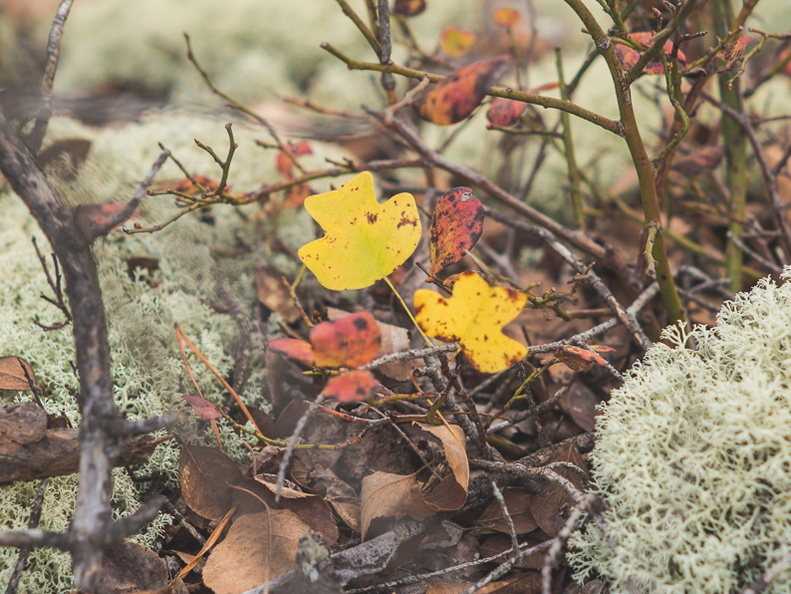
(505, 112)
(409, 8)
(506, 17)
(456, 97)
(629, 56)
(285, 163)
(455, 41)
(16, 374)
(365, 241)
(357, 385)
(474, 316)
(350, 341)
(579, 359)
(456, 225)
(205, 410)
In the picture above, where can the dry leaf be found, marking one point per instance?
(254, 541)
(273, 293)
(517, 502)
(386, 495)
(455, 98)
(207, 478)
(550, 508)
(12, 374)
(409, 8)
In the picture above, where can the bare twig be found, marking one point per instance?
(32, 523)
(36, 136)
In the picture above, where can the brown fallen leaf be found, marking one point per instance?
(207, 479)
(258, 547)
(273, 293)
(386, 495)
(13, 374)
(550, 508)
(517, 502)
(129, 567)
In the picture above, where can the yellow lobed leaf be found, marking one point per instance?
(474, 316)
(365, 241)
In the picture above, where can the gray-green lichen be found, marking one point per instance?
(147, 371)
(694, 456)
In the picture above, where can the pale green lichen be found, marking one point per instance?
(148, 374)
(694, 454)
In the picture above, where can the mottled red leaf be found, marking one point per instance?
(733, 51)
(409, 8)
(205, 410)
(456, 224)
(201, 184)
(579, 359)
(346, 342)
(456, 97)
(455, 41)
(506, 17)
(356, 385)
(505, 112)
(94, 220)
(284, 163)
(299, 350)
(629, 56)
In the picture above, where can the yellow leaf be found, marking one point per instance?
(474, 317)
(365, 241)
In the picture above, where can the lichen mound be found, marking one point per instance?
(694, 457)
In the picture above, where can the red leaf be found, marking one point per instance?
(284, 163)
(629, 56)
(357, 385)
(185, 186)
(456, 224)
(299, 350)
(505, 112)
(203, 408)
(580, 359)
(456, 97)
(350, 341)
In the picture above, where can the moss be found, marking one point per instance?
(694, 454)
(147, 370)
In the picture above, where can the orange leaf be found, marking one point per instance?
(299, 350)
(456, 225)
(357, 385)
(474, 316)
(186, 186)
(409, 8)
(506, 17)
(456, 41)
(350, 341)
(365, 241)
(284, 163)
(579, 359)
(456, 97)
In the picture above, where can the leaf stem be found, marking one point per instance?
(408, 311)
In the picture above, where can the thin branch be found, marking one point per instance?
(36, 136)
